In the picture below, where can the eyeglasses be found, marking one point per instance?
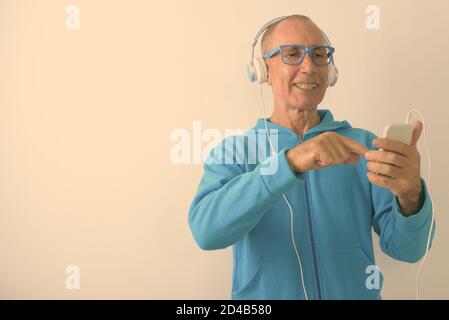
(294, 54)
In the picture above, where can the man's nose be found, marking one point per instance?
(307, 64)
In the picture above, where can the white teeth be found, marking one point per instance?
(306, 86)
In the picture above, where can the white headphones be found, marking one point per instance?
(257, 69)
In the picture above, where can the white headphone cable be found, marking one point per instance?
(430, 198)
(285, 198)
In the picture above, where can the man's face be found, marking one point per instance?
(285, 79)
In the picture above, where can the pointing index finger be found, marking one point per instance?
(354, 146)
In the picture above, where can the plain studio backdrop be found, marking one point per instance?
(91, 91)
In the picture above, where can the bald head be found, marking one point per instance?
(291, 24)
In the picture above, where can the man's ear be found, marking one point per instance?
(268, 75)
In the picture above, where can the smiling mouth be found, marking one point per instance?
(306, 86)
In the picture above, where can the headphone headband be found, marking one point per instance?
(262, 29)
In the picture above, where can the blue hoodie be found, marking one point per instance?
(334, 209)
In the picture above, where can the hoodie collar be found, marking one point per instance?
(327, 123)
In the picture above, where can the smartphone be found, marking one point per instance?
(399, 132)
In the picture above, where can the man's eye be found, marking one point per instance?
(294, 53)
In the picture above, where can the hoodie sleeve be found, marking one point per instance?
(230, 202)
(402, 238)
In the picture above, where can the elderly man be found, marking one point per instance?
(339, 187)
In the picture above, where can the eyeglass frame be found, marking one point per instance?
(306, 50)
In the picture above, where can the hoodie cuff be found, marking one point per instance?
(277, 174)
(415, 221)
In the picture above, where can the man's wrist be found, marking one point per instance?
(412, 203)
(289, 155)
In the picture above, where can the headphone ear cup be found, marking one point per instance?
(333, 75)
(250, 72)
(260, 70)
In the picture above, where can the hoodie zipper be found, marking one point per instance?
(311, 234)
(308, 206)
